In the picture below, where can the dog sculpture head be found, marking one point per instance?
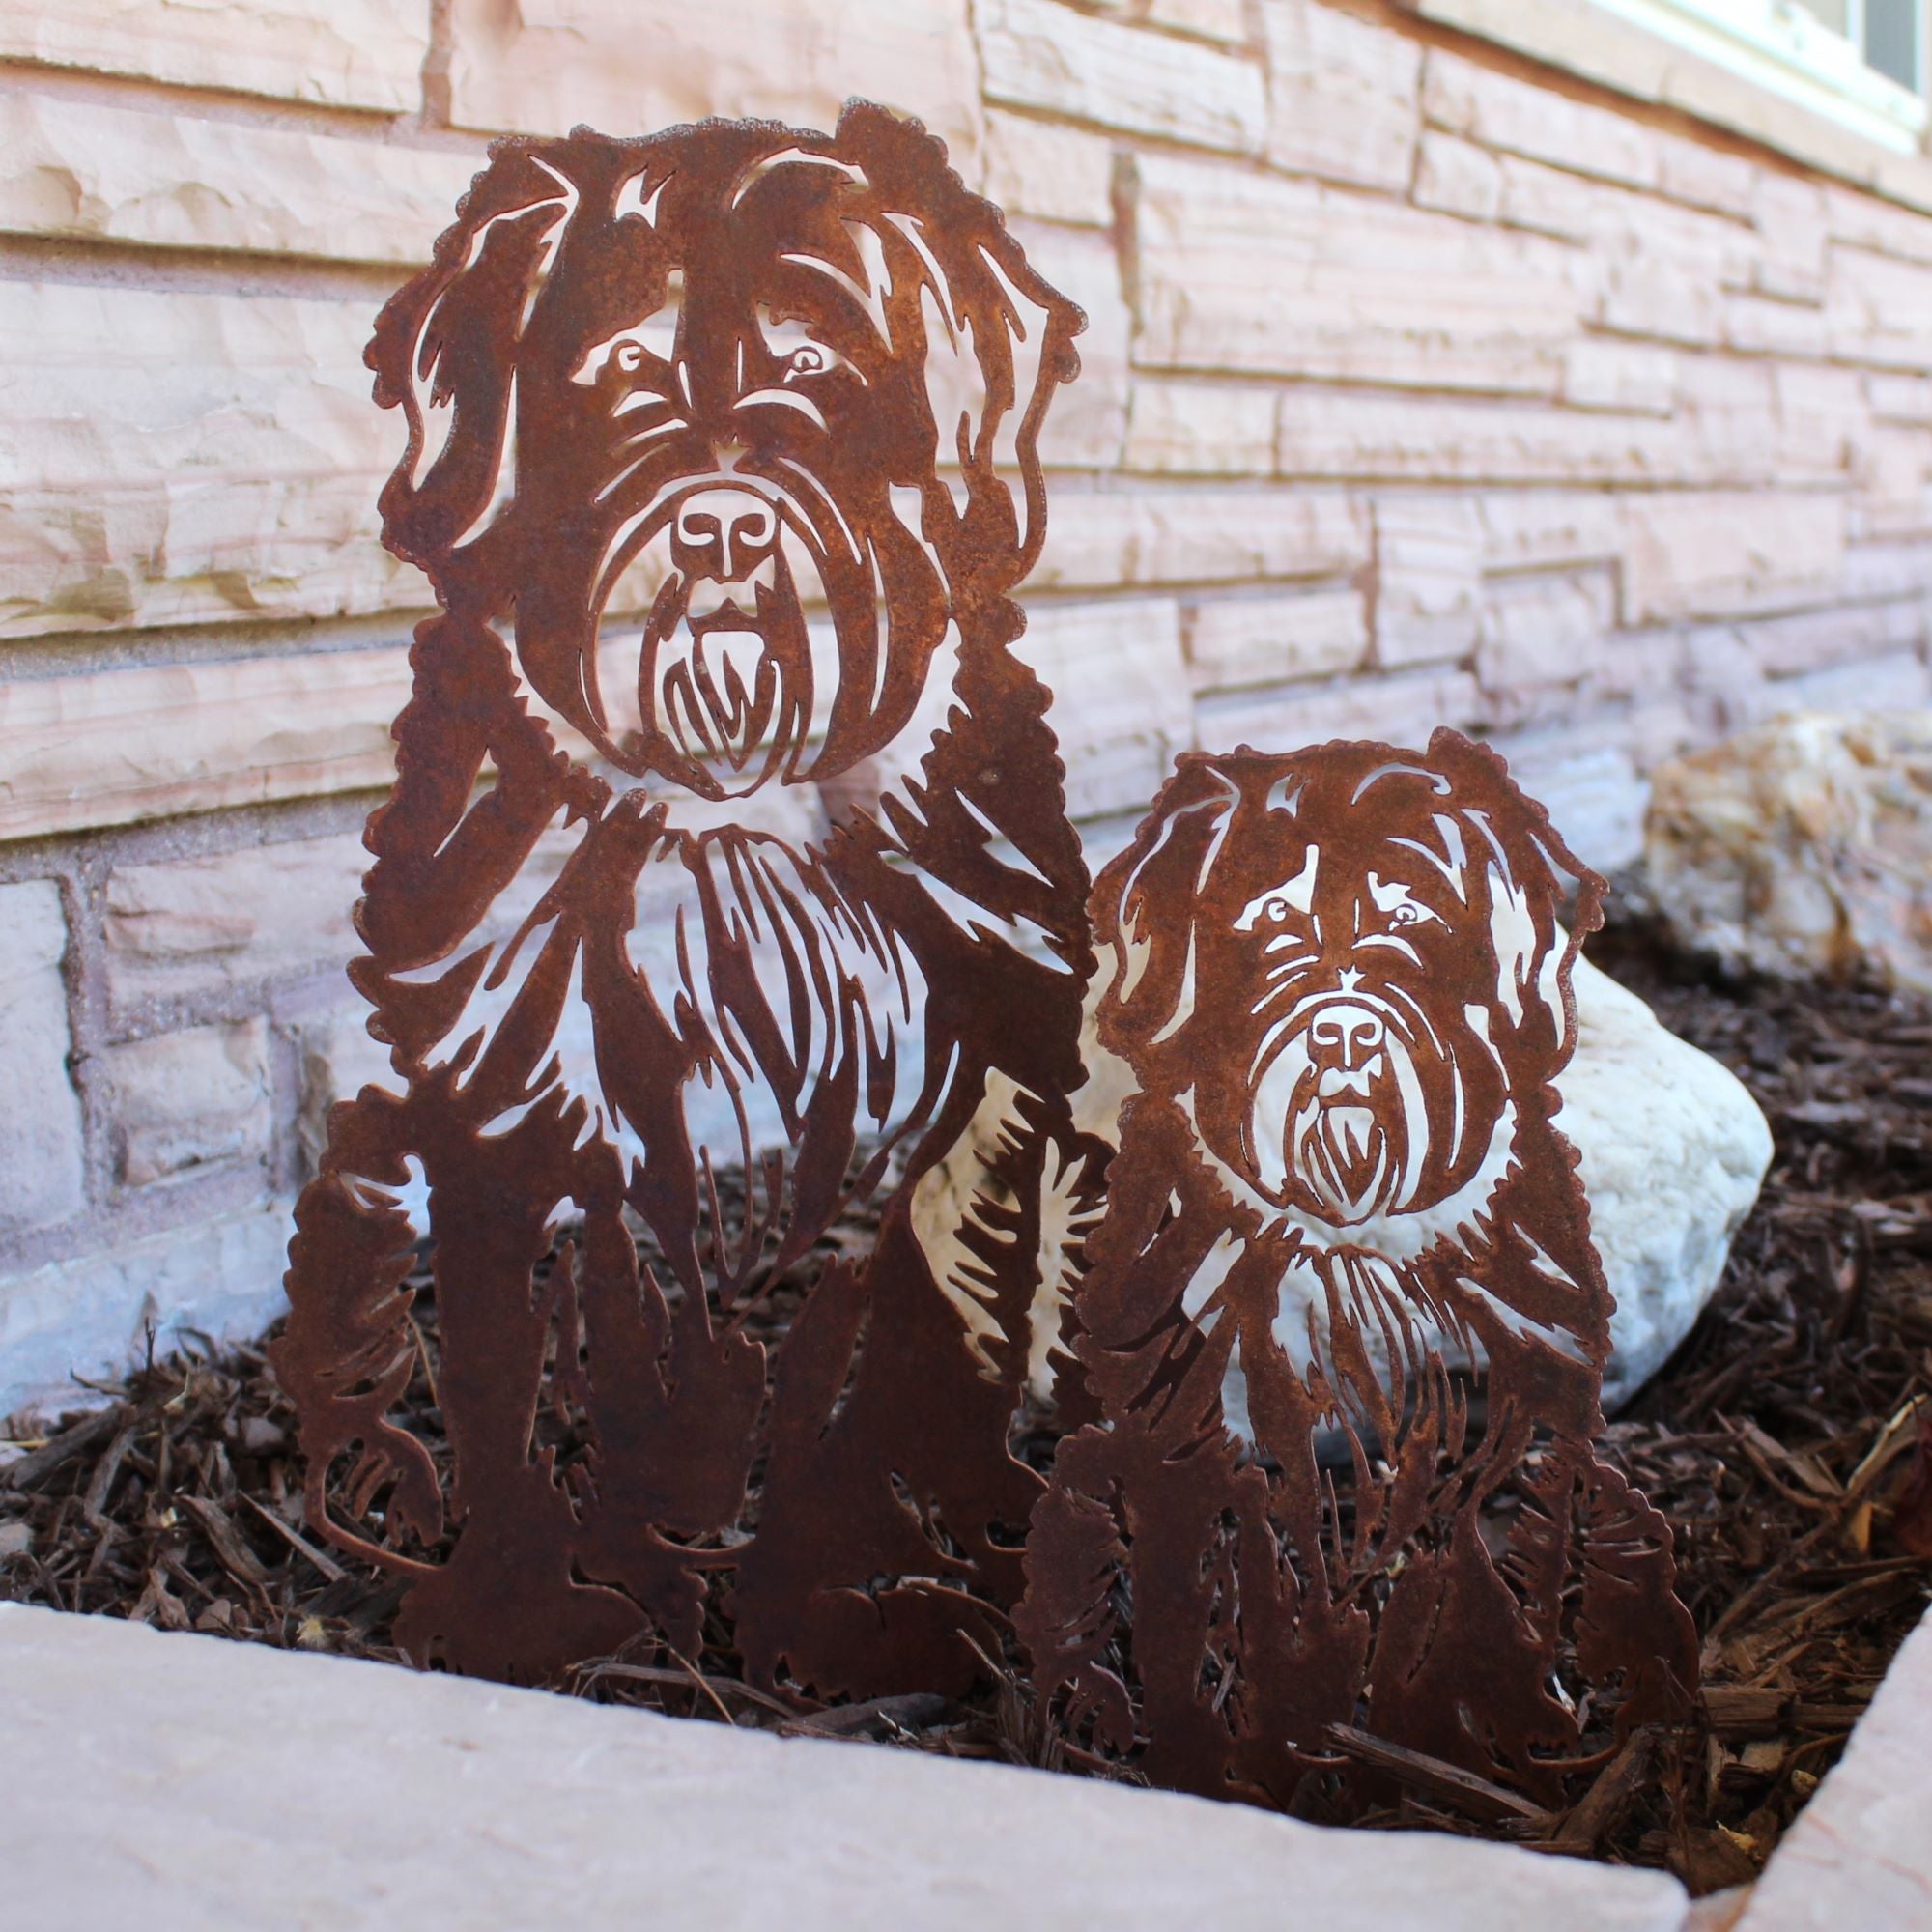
(773, 373)
(1346, 963)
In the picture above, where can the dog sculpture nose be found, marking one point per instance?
(724, 533)
(1353, 1032)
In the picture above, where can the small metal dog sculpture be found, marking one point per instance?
(1340, 980)
(793, 386)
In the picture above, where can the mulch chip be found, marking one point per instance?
(1789, 1439)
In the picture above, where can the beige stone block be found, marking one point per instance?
(1886, 570)
(91, 1312)
(1397, 710)
(1760, 327)
(1290, 277)
(1647, 291)
(1893, 471)
(1535, 530)
(1867, 221)
(345, 53)
(1087, 424)
(1790, 215)
(1697, 555)
(1211, 19)
(1584, 775)
(630, 67)
(1047, 171)
(1501, 111)
(1860, 1851)
(1238, 642)
(1691, 171)
(1897, 685)
(191, 1099)
(1842, 633)
(237, 918)
(1344, 94)
(1202, 429)
(1123, 704)
(1728, 419)
(41, 1173)
(1429, 560)
(1901, 399)
(1543, 630)
(1607, 373)
(112, 747)
(1822, 416)
(1878, 309)
(1150, 537)
(1457, 178)
(1042, 54)
(88, 169)
(183, 457)
(1330, 432)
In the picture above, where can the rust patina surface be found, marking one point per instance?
(723, 463)
(1340, 981)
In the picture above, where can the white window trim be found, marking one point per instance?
(1780, 46)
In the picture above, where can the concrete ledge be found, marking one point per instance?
(185, 1781)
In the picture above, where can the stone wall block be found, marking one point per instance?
(1715, 554)
(1400, 710)
(1236, 641)
(1044, 55)
(1294, 278)
(1344, 95)
(1086, 425)
(542, 67)
(1443, 440)
(1201, 429)
(168, 458)
(183, 926)
(190, 1099)
(1501, 111)
(343, 53)
(99, 173)
(1050, 172)
(1123, 700)
(1878, 310)
(1149, 537)
(1603, 373)
(1789, 214)
(1427, 578)
(1543, 630)
(113, 747)
(42, 1153)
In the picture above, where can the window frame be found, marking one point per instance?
(1780, 46)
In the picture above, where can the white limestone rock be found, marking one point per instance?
(1803, 847)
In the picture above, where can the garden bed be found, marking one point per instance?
(1790, 1440)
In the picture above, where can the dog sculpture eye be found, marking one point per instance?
(813, 358)
(1412, 915)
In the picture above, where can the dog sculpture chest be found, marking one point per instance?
(722, 461)
(1338, 979)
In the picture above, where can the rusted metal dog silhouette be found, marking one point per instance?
(1339, 978)
(783, 394)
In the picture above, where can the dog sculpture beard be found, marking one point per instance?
(781, 393)
(1342, 986)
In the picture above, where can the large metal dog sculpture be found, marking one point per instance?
(784, 392)
(1341, 983)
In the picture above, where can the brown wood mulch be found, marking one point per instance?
(1790, 1439)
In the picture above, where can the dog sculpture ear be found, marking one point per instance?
(1144, 904)
(446, 350)
(1529, 874)
(995, 339)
